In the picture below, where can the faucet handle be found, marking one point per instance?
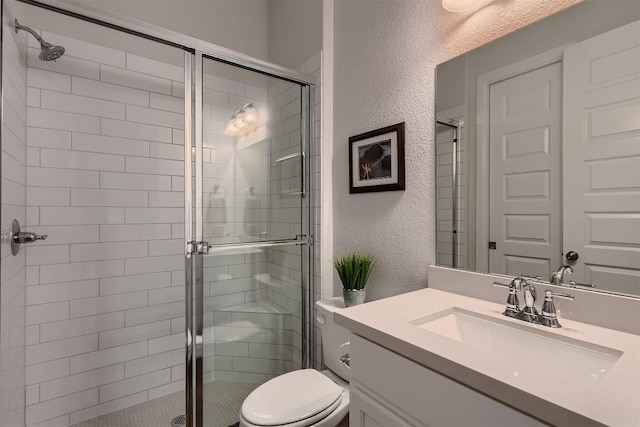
(549, 316)
(551, 294)
(513, 305)
(573, 284)
(516, 283)
(504, 285)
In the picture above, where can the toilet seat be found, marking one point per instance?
(296, 399)
(311, 421)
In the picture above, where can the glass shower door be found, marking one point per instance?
(252, 266)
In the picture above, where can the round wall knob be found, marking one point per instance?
(572, 256)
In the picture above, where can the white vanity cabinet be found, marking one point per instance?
(390, 390)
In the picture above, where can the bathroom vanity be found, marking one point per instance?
(435, 357)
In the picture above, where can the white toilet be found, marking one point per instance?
(306, 397)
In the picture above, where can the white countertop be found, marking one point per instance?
(613, 399)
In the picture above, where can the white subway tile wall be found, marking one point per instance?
(14, 197)
(105, 294)
(284, 283)
(100, 290)
(284, 280)
(237, 183)
(444, 197)
(260, 337)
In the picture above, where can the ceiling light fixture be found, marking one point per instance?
(462, 5)
(243, 121)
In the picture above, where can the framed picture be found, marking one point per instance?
(376, 160)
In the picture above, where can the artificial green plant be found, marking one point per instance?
(354, 270)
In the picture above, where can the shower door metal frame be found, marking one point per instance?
(197, 248)
(194, 247)
(188, 247)
(198, 373)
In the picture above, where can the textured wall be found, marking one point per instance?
(385, 56)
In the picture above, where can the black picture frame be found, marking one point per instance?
(376, 160)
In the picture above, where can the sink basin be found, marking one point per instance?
(568, 357)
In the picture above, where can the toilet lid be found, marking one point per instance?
(290, 397)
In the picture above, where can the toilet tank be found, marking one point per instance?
(335, 338)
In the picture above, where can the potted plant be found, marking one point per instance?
(354, 270)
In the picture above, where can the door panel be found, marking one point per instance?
(515, 265)
(616, 279)
(527, 227)
(602, 159)
(525, 168)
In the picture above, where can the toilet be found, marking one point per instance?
(307, 397)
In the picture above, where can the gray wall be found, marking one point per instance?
(284, 32)
(239, 25)
(295, 31)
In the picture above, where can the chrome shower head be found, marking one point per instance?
(48, 52)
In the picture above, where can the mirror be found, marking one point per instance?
(538, 150)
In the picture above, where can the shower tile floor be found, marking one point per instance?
(222, 400)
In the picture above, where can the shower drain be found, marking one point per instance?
(178, 421)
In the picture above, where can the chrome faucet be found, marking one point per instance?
(529, 313)
(557, 277)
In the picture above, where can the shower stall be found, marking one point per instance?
(172, 179)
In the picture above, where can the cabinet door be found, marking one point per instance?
(423, 396)
(364, 411)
